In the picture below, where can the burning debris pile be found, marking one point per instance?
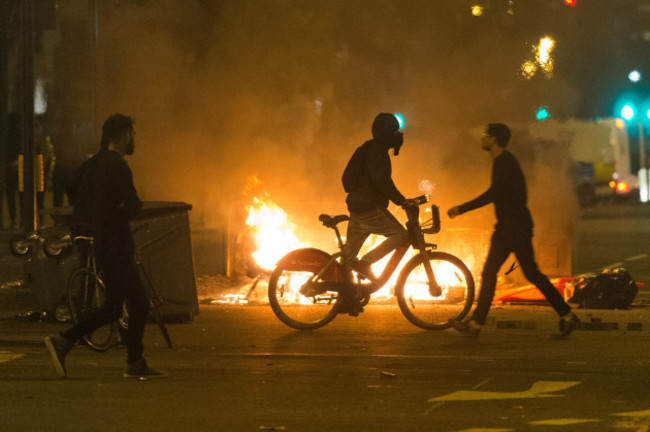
(261, 236)
(221, 290)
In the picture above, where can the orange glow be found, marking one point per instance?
(620, 123)
(612, 184)
(623, 187)
(446, 274)
(274, 234)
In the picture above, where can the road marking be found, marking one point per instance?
(486, 430)
(539, 389)
(645, 413)
(358, 355)
(637, 257)
(6, 356)
(563, 422)
(441, 403)
(637, 420)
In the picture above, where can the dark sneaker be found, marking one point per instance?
(140, 369)
(465, 328)
(364, 269)
(569, 323)
(58, 346)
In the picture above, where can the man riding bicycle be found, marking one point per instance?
(367, 180)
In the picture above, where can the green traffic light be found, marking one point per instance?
(627, 112)
(542, 113)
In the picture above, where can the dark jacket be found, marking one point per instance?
(377, 188)
(105, 200)
(508, 193)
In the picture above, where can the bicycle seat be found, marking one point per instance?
(331, 221)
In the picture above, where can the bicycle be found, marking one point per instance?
(86, 292)
(20, 245)
(309, 286)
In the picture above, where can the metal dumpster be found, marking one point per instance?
(161, 233)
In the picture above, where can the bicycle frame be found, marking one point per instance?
(416, 240)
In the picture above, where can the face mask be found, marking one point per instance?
(398, 141)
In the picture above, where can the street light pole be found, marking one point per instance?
(29, 213)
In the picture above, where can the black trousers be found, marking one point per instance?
(122, 283)
(520, 243)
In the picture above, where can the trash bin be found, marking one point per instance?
(48, 280)
(161, 234)
(162, 240)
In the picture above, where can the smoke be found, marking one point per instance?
(287, 89)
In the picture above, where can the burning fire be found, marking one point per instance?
(274, 234)
(275, 237)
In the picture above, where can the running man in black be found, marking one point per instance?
(105, 200)
(513, 233)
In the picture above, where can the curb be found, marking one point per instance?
(509, 317)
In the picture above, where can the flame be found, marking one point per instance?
(273, 233)
(275, 237)
(447, 275)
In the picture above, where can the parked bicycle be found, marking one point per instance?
(309, 287)
(87, 292)
(20, 245)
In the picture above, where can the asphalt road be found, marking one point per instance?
(237, 368)
(605, 242)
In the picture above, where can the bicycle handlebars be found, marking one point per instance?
(422, 199)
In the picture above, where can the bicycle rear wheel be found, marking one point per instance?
(86, 294)
(419, 306)
(292, 303)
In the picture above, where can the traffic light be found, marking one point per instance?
(570, 2)
(542, 113)
(628, 112)
(633, 107)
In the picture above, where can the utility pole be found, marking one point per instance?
(29, 213)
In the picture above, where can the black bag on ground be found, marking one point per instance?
(355, 170)
(611, 289)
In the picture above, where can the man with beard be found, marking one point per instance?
(105, 200)
(513, 233)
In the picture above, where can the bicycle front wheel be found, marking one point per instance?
(419, 306)
(87, 294)
(292, 303)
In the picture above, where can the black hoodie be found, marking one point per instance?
(377, 188)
